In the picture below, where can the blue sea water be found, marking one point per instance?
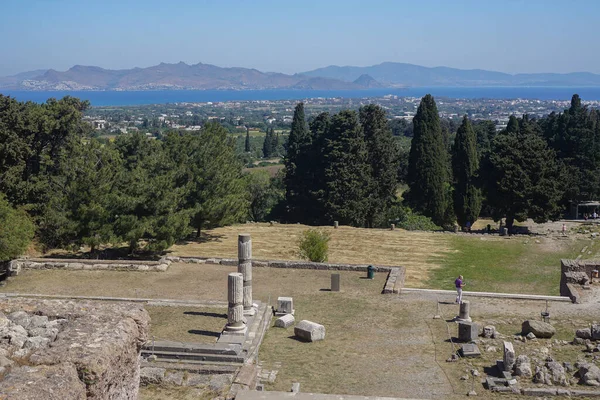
(114, 98)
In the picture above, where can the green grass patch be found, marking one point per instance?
(505, 265)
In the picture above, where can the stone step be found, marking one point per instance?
(195, 367)
(212, 348)
(174, 355)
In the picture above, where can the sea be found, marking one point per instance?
(133, 98)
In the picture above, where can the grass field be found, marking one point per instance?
(489, 263)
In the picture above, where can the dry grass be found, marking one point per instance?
(187, 324)
(417, 251)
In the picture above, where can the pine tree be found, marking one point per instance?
(524, 178)
(247, 148)
(465, 166)
(347, 171)
(297, 182)
(383, 159)
(428, 180)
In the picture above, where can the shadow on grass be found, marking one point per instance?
(113, 253)
(204, 333)
(297, 339)
(205, 314)
(325, 290)
(204, 238)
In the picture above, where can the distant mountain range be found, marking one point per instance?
(182, 76)
(400, 74)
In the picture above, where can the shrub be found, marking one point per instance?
(16, 231)
(405, 218)
(314, 245)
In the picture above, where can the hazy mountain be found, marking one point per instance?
(367, 81)
(15, 79)
(172, 76)
(400, 74)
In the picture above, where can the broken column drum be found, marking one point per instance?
(463, 314)
(245, 267)
(235, 295)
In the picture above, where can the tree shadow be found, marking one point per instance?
(204, 238)
(204, 333)
(110, 253)
(205, 314)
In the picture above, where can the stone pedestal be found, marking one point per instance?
(463, 314)
(335, 224)
(392, 227)
(335, 282)
(285, 305)
(467, 331)
(245, 268)
(235, 312)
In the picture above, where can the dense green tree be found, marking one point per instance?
(428, 166)
(149, 207)
(297, 180)
(34, 143)
(347, 171)
(383, 160)
(523, 178)
(217, 191)
(16, 231)
(465, 167)
(264, 194)
(485, 131)
(81, 210)
(268, 144)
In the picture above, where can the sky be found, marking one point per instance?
(514, 36)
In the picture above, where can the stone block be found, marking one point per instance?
(489, 331)
(285, 321)
(509, 356)
(335, 282)
(309, 331)
(584, 333)
(595, 332)
(467, 331)
(540, 329)
(470, 350)
(285, 305)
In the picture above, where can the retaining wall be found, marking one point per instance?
(394, 282)
(15, 266)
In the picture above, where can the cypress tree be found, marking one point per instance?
(297, 183)
(247, 144)
(383, 159)
(428, 178)
(268, 144)
(346, 170)
(465, 166)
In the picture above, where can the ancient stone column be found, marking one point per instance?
(463, 314)
(245, 268)
(235, 295)
(335, 224)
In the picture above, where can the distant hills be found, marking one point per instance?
(182, 76)
(401, 74)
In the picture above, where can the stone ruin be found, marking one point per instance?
(55, 350)
(576, 278)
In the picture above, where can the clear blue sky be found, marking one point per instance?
(294, 36)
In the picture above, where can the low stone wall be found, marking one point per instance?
(54, 349)
(394, 282)
(15, 266)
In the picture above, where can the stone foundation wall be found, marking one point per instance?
(16, 266)
(394, 282)
(52, 349)
(574, 275)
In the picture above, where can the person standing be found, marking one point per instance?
(459, 283)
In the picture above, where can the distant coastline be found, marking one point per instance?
(145, 97)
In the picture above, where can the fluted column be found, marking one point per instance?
(235, 295)
(245, 268)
